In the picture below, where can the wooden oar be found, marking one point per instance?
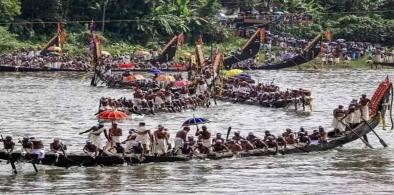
(228, 133)
(347, 126)
(380, 139)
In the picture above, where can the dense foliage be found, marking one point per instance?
(147, 21)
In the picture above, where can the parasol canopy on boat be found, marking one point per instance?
(180, 84)
(163, 77)
(233, 72)
(135, 77)
(155, 71)
(112, 115)
(126, 66)
(195, 121)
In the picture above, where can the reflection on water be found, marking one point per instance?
(62, 104)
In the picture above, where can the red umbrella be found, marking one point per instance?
(112, 115)
(180, 84)
(126, 66)
(179, 66)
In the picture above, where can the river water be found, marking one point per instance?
(49, 105)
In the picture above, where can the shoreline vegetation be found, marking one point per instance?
(147, 24)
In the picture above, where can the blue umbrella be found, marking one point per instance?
(244, 76)
(155, 71)
(195, 121)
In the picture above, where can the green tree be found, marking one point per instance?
(9, 9)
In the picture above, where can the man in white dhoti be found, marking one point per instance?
(144, 136)
(94, 135)
(204, 136)
(161, 141)
(364, 103)
(180, 138)
(337, 122)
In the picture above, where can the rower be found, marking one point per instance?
(246, 145)
(91, 149)
(251, 137)
(271, 142)
(130, 140)
(364, 102)
(302, 138)
(144, 136)
(234, 147)
(288, 131)
(200, 148)
(219, 146)
(180, 137)
(191, 141)
(8, 144)
(259, 144)
(281, 142)
(302, 130)
(237, 137)
(56, 146)
(185, 149)
(314, 137)
(205, 136)
(291, 140)
(116, 150)
(38, 149)
(114, 135)
(322, 135)
(138, 148)
(94, 134)
(26, 145)
(268, 134)
(218, 137)
(161, 141)
(338, 114)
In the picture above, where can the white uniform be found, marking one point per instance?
(207, 142)
(365, 112)
(39, 152)
(356, 117)
(143, 138)
(94, 137)
(178, 143)
(337, 124)
(161, 146)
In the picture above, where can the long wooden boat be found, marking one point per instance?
(267, 104)
(249, 50)
(378, 108)
(385, 63)
(308, 54)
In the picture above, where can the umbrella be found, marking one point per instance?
(112, 115)
(155, 71)
(180, 84)
(135, 77)
(178, 65)
(244, 76)
(165, 78)
(195, 121)
(340, 40)
(233, 72)
(126, 66)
